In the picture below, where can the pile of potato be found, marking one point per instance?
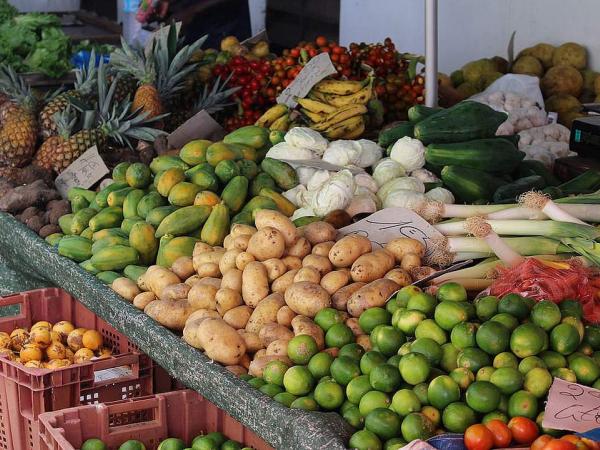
(243, 302)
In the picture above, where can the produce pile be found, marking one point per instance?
(209, 441)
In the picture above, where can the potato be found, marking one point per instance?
(243, 259)
(207, 258)
(323, 248)
(141, 300)
(341, 297)
(245, 361)
(228, 260)
(255, 283)
(220, 342)
(203, 314)
(227, 299)
(372, 266)
(338, 218)
(183, 267)
(402, 246)
(352, 323)
(239, 229)
(265, 312)
(334, 281)
(318, 232)
(275, 268)
(238, 317)
(321, 263)
(142, 282)
(241, 242)
(349, 249)
(333, 351)
(202, 296)
(237, 370)
(232, 279)
(304, 325)
(410, 261)
(258, 364)
(273, 331)
(365, 342)
(157, 278)
(307, 298)
(300, 248)
(193, 280)
(259, 354)
(208, 270)
(253, 343)
(285, 316)
(170, 314)
(125, 288)
(399, 276)
(373, 294)
(228, 242)
(211, 281)
(292, 262)
(266, 243)
(278, 347)
(418, 273)
(307, 274)
(177, 291)
(266, 218)
(201, 247)
(283, 282)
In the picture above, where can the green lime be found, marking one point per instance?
(523, 403)
(485, 373)
(449, 355)
(514, 305)
(503, 404)
(463, 377)
(494, 415)
(457, 417)
(596, 384)
(373, 400)
(463, 335)
(200, 443)
(301, 348)
(396, 316)
(429, 328)
(421, 391)
(429, 348)
(414, 368)
(132, 444)
(405, 401)
(550, 431)
(385, 378)
(256, 383)
(505, 359)
(394, 444)
(422, 302)
(271, 389)
(405, 348)
(546, 315)
(493, 337)
(573, 355)
(393, 305)
(449, 314)
(528, 340)
(346, 405)
(298, 380)
(319, 364)
(577, 323)
(553, 360)
(353, 417)
(531, 362)
(596, 357)
(435, 372)
(432, 414)
(365, 440)
(510, 322)
(417, 426)
(592, 336)
(452, 292)
(564, 338)
(231, 445)
(384, 422)
(388, 339)
(408, 320)
(339, 335)
(406, 293)
(306, 403)
(274, 371)
(344, 369)
(564, 374)
(394, 360)
(538, 381)
(473, 359)
(327, 317)
(507, 379)
(571, 308)
(486, 307)
(285, 398)
(94, 444)
(371, 359)
(246, 377)
(352, 350)
(372, 317)
(529, 302)
(329, 395)
(483, 397)
(358, 387)
(585, 369)
(442, 391)
(219, 438)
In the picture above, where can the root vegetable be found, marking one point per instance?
(373, 294)
(284, 281)
(212, 257)
(258, 364)
(365, 342)
(372, 266)
(228, 242)
(266, 218)
(243, 259)
(272, 331)
(170, 314)
(352, 323)
(318, 232)
(399, 276)
(237, 370)
(401, 246)
(219, 341)
(177, 291)
(255, 283)
(265, 312)
(275, 268)
(125, 288)
(211, 281)
(208, 270)
(349, 249)
(266, 243)
(21, 197)
(334, 281)
(304, 325)
(232, 279)
(410, 261)
(340, 299)
(321, 263)
(157, 278)
(300, 248)
(183, 267)
(253, 343)
(307, 298)
(307, 274)
(228, 260)
(323, 248)
(238, 317)
(227, 299)
(241, 242)
(203, 314)
(49, 229)
(202, 296)
(292, 262)
(285, 315)
(194, 279)
(260, 353)
(278, 347)
(239, 229)
(142, 299)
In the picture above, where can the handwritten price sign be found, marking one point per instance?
(572, 406)
(83, 172)
(314, 71)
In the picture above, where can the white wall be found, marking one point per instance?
(472, 29)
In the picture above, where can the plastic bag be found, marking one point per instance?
(523, 85)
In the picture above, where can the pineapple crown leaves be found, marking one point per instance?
(215, 99)
(86, 77)
(16, 88)
(65, 121)
(132, 60)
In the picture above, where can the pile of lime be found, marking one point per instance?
(210, 441)
(436, 364)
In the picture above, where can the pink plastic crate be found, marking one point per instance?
(182, 414)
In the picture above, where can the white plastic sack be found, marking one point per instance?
(524, 85)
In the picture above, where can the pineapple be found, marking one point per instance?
(18, 120)
(85, 83)
(126, 86)
(64, 122)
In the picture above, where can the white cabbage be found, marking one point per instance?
(342, 153)
(409, 152)
(334, 194)
(362, 204)
(440, 194)
(302, 212)
(306, 138)
(405, 199)
(387, 169)
(370, 153)
(295, 195)
(404, 183)
(318, 178)
(366, 180)
(424, 175)
(283, 150)
(305, 174)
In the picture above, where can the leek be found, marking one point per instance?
(587, 249)
(580, 211)
(526, 246)
(537, 200)
(485, 269)
(591, 199)
(478, 227)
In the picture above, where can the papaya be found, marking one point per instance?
(108, 241)
(115, 257)
(138, 175)
(251, 135)
(284, 175)
(262, 180)
(200, 167)
(128, 223)
(260, 202)
(108, 276)
(164, 162)
(88, 266)
(81, 220)
(243, 152)
(162, 246)
(118, 173)
(205, 180)
(248, 168)
(234, 194)
(283, 204)
(108, 232)
(148, 202)
(301, 221)
(183, 194)
(206, 198)
(394, 131)
(101, 199)
(53, 239)
(117, 198)
(110, 217)
(226, 170)
(78, 202)
(85, 193)
(64, 222)
(131, 202)
(141, 238)
(169, 178)
(276, 136)
(75, 247)
(156, 216)
(174, 248)
(217, 226)
(194, 152)
(183, 221)
(219, 151)
(133, 272)
(243, 217)
(87, 233)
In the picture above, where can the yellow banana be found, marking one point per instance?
(271, 115)
(339, 116)
(356, 133)
(361, 97)
(318, 96)
(281, 124)
(339, 87)
(314, 117)
(344, 128)
(315, 106)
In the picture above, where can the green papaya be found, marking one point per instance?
(148, 202)
(226, 170)
(220, 151)
(194, 152)
(156, 216)
(115, 257)
(141, 238)
(81, 220)
(75, 247)
(251, 135)
(53, 239)
(87, 265)
(243, 217)
(260, 202)
(248, 168)
(234, 194)
(165, 162)
(284, 175)
(262, 180)
(217, 226)
(87, 233)
(108, 241)
(301, 221)
(204, 166)
(117, 198)
(138, 175)
(78, 202)
(101, 199)
(108, 232)
(64, 222)
(118, 173)
(133, 272)
(276, 136)
(108, 276)
(131, 202)
(174, 248)
(205, 180)
(85, 193)
(183, 194)
(128, 223)
(110, 217)
(169, 178)
(183, 221)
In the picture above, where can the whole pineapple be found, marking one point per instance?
(18, 120)
(64, 122)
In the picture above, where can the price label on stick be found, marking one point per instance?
(199, 126)
(314, 71)
(572, 406)
(260, 36)
(83, 172)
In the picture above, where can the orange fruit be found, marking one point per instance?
(92, 339)
(478, 437)
(75, 339)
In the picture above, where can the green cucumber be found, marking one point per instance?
(394, 131)
(508, 193)
(470, 185)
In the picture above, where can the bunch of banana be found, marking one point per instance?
(337, 108)
(276, 118)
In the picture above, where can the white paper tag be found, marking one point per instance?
(572, 406)
(199, 126)
(321, 165)
(552, 117)
(260, 36)
(83, 172)
(314, 71)
(110, 374)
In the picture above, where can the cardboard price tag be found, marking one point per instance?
(83, 172)
(572, 406)
(314, 71)
(199, 126)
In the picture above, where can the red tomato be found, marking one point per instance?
(576, 440)
(321, 41)
(541, 442)
(478, 437)
(559, 444)
(501, 432)
(593, 445)
(524, 430)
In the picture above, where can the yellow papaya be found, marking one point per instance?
(141, 238)
(183, 194)
(217, 225)
(219, 151)
(168, 179)
(174, 248)
(283, 204)
(206, 198)
(194, 152)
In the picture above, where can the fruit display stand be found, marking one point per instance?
(279, 426)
